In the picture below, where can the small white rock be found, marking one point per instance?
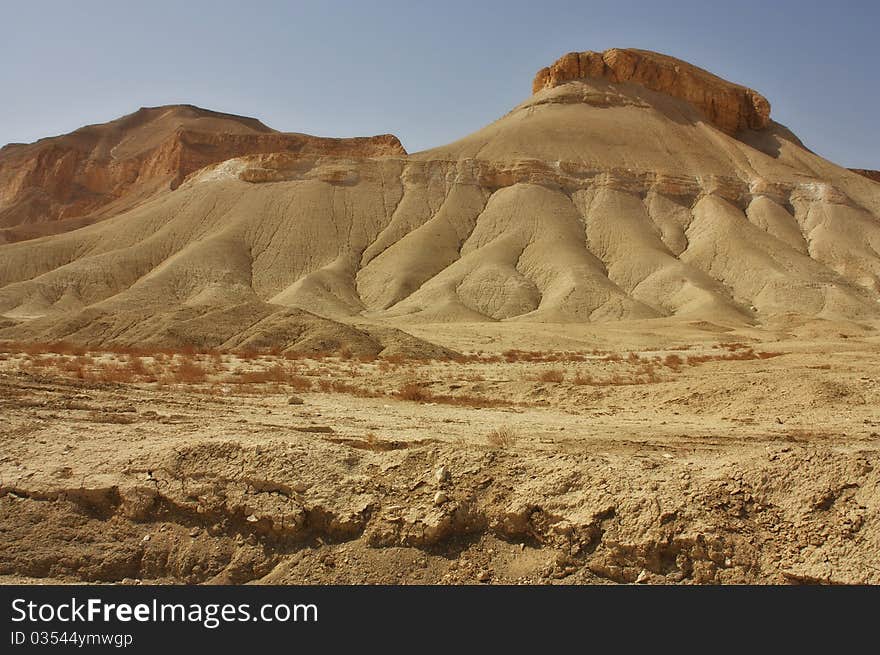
(442, 474)
(643, 575)
(146, 537)
(252, 518)
(440, 497)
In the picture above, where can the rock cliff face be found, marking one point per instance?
(61, 183)
(728, 106)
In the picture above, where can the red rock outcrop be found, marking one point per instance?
(65, 182)
(730, 107)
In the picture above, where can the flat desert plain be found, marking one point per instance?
(634, 452)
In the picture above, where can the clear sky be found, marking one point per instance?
(429, 72)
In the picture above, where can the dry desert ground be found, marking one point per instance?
(644, 452)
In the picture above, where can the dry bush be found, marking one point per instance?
(338, 386)
(136, 366)
(551, 375)
(633, 358)
(299, 383)
(76, 367)
(213, 362)
(43, 361)
(646, 375)
(501, 437)
(415, 392)
(467, 400)
(735, 355)
(673, 361)
(188, 372)
(275, 373)
(412, 391)
(536, 356)
(110, 372)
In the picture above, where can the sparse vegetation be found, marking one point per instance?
(412, 391)
(552, 375)
(502, 437)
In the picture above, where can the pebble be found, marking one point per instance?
(440, 497)
(643, 576)
(146, 537)
(442, 474)
(484, 576)
(295, 400)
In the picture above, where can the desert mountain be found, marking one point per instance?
(629, 185)
(61, 183)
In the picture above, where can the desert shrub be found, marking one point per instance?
(188, 372)
(136, 366)
(412, 391)
(299, 383)
(551, 375)
(501, 437)
(111, 372)
(734, 355)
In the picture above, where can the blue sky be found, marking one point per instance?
(429, 72)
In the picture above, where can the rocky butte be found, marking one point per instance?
(629, 185)
(729, 107)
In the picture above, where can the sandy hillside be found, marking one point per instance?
(628, 186)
